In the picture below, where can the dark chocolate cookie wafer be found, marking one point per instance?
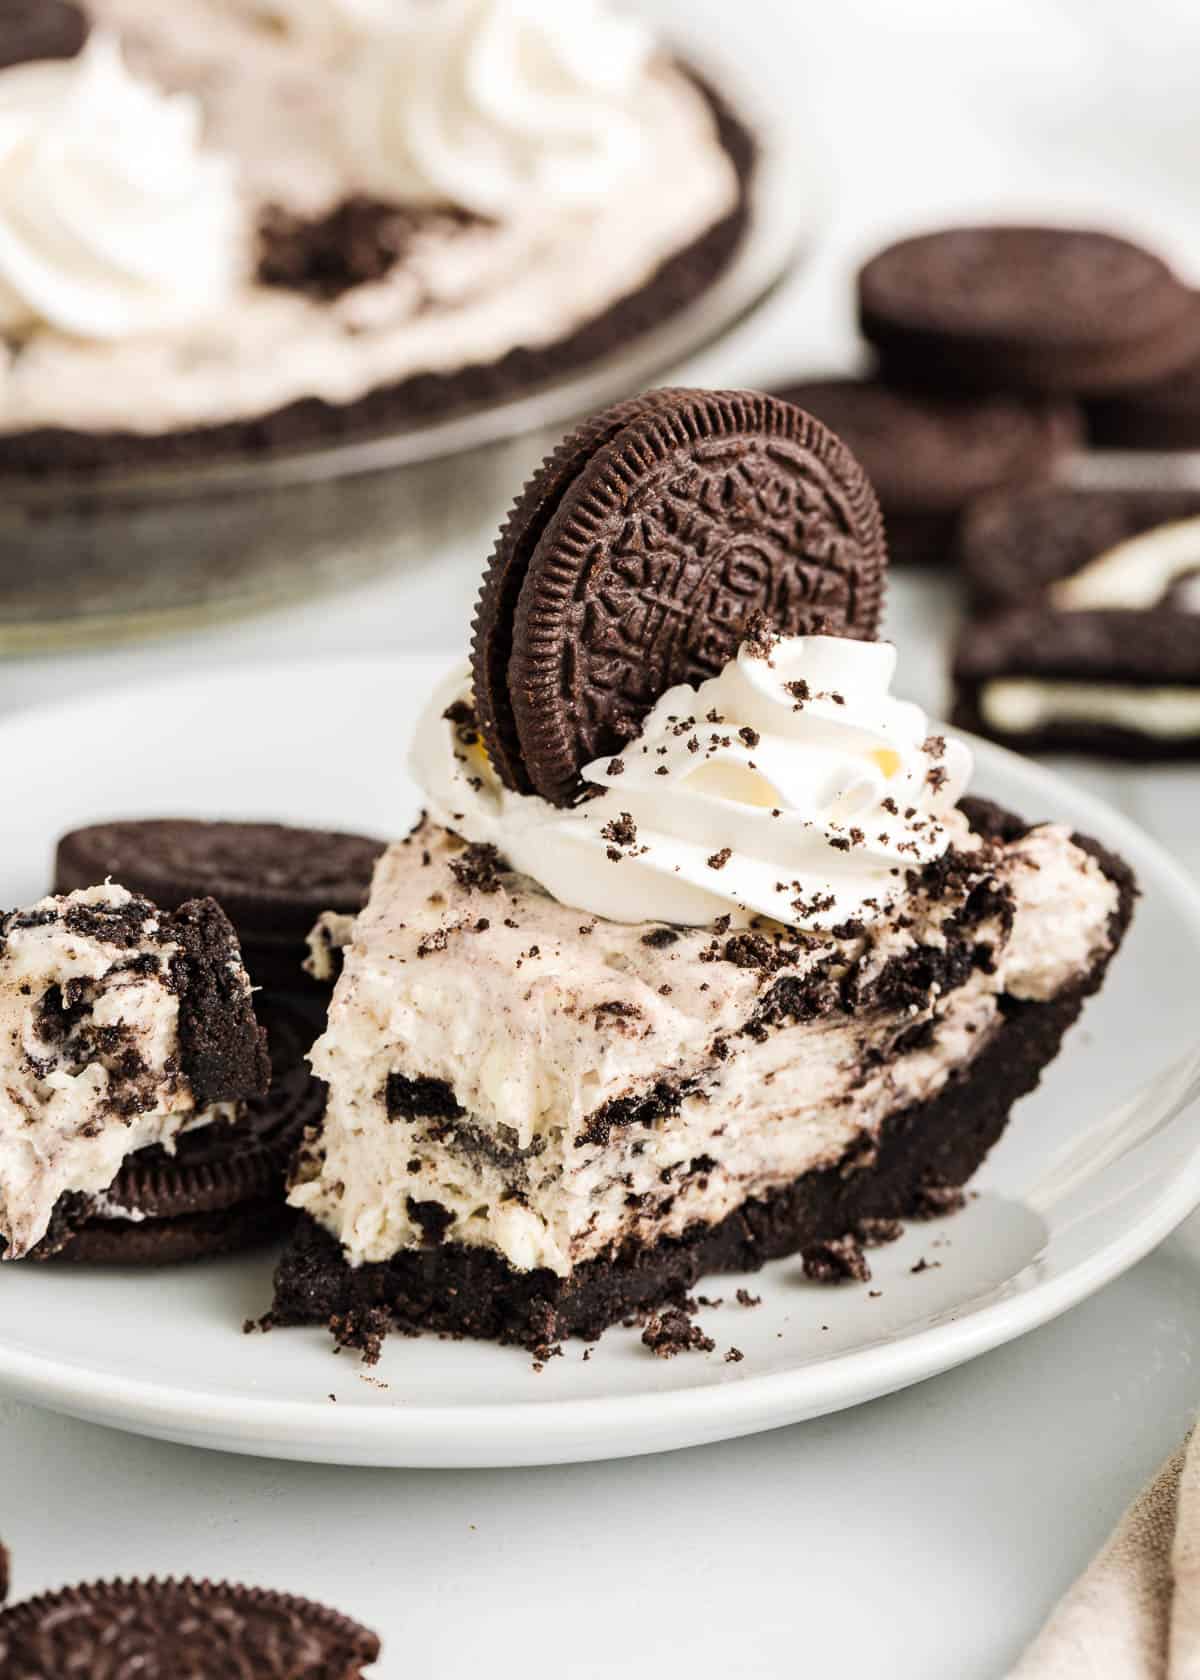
(640, 555)
(166, 1630)
(1164, 415)
(272, 880)
(223, 1189)
(1113, 682)
(928, 453)
(32, 30)
(1033, 308)
(1013, 545)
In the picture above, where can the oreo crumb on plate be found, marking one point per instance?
(837, 1260)
(671, 1332)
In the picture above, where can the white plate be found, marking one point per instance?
(1095, 1169)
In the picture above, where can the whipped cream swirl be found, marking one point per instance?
(792, 786)
(500, 106)
(114, 222)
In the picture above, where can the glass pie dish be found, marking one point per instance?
(100, 556)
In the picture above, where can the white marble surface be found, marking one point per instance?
(922, 1535)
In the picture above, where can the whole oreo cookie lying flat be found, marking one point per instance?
(166, 1630)
(272, 880)
(32, 30)
(928, 453)
(640, 556)
(223, 1189)
(1034, 308)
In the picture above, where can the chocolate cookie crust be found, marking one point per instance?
(645, 551)
(923, 1154)
(1050, 309)
(222, 1047)
(167, 1629)
(426, 398)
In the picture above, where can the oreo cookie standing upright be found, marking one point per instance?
(642, 554)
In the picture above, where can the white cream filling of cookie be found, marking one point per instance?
(1022, 705)
(1136, 574)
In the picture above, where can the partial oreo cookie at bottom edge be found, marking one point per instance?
(223, 1189)
(202, 1629)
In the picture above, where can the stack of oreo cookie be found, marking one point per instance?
(221, 1187)
(999, 352)
(996, 349)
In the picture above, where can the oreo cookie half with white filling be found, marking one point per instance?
(1101, 651)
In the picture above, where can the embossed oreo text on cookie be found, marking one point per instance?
(703, 513)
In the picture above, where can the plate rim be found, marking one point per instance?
(545, 1432)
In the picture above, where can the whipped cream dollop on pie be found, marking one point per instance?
(793, 785)
(498, 104)
(115, 219)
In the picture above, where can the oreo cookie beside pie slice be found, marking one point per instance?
(1026, 308)
(168, 1630)
(644, 552)
(271, 879)
(223, 1188)
(929, 453)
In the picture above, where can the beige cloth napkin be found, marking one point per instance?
(1135, 1613)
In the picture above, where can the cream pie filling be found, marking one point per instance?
(464, 293)
(89, 1055)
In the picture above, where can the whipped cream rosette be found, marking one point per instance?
(495, 105)
(115, 220)
(793, 785)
